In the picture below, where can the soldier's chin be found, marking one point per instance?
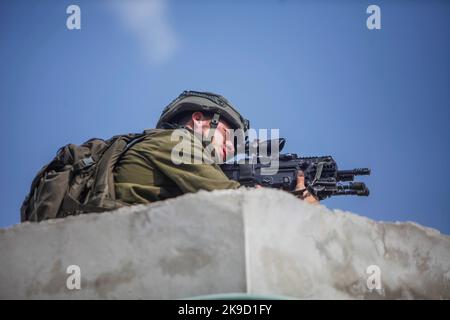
(221, 155)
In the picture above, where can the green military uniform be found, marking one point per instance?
(146, 172)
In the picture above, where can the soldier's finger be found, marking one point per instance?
(300, 180)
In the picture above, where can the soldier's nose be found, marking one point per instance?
(229, 148)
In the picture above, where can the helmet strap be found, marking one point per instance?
(213, 125)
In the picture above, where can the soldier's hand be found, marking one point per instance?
(305, 195)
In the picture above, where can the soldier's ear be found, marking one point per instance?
(197, 121)
(197, 116)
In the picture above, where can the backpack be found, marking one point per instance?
(78, 180)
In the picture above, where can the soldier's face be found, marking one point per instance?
(222, 141)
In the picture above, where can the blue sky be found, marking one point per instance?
(375, 98)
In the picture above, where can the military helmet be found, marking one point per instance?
(206, 102)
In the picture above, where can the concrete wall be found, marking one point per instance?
(263, 242)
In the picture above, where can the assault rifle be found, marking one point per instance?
(322, 177)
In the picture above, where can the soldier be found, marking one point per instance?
(146, 171)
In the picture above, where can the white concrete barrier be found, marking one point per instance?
(260, 242)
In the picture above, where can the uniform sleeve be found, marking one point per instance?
(187, 175)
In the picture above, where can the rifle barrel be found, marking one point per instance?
(348, 175)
